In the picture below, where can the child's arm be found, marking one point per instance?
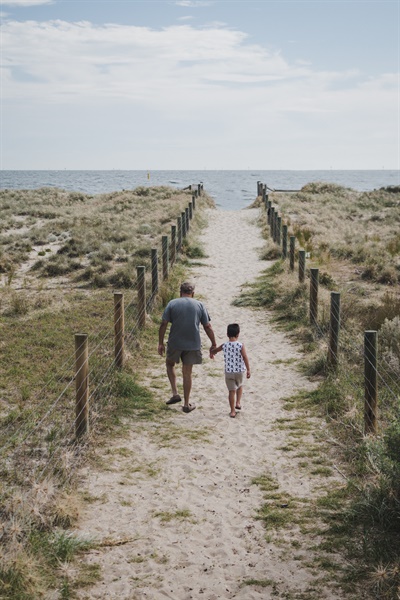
(246, 361)
(215, 350)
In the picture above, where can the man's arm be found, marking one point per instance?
(161, 334)
(210, 333)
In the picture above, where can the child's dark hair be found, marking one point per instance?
(233, 330)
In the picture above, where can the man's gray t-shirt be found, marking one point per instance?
(185, 316)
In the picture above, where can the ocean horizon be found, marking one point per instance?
(230, 189)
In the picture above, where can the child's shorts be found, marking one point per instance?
(233, 381)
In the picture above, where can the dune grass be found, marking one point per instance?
(333, 222)
(62, 255)
(352, 238)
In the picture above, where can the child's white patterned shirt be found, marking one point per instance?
(234, 362)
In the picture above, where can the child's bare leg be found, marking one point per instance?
(232, 395)
(239, 393)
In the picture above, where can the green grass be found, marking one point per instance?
(39, 567)
(167, 516)
(171, 435)
(133, 400)
(259, 582)
(361, 519)
(101, 240)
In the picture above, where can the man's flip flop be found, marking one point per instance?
(174, 400)
(238, 407)
(232, 416)
(187, 409)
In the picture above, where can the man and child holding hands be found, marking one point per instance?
(184, 344)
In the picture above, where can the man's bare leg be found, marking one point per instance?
(187, 382)
(172, 377)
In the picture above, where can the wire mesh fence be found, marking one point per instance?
(368, 372)
(48, 440)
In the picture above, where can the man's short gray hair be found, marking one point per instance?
(187, 288)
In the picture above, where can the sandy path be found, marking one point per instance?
(204, 464)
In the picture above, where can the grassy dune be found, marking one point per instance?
(62, 255)
(333, 222)
(353, 239)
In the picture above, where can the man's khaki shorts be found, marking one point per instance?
(188, 357)
(233, 381)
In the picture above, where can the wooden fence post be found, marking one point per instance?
(141, 290)
(194, 202)
(370, 379)
(278, 230)
(314, 281)
(179, 242)
(264, 193)
(284, 240)
(154, 271)
(81, 384)
(269, 206)
(173, 244)
(190, 211)
(165, 256)
(119, 329)
(199, 189)
(292, 251)
(183, 219)
(302, 265)
(334, 328)
(187, 219)
(271, 222)
(258, 188)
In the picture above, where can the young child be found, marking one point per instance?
(236, 363)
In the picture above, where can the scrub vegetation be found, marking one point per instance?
(353, 239)
(62, 255)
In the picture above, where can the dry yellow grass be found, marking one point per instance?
(62, 256)
(352, 238)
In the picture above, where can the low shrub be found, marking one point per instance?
(123, 278)
(374, 316)
(327, 280)
(193, 251)
(100, 281)
(72, 249)
(56, 269)
(390, 335)
(19, 304)
(321, 187)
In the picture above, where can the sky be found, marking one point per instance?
(200, 84)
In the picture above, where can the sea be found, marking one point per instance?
(231, 190)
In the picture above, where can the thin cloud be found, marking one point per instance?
(192, 3)
(26, 2)
(60, 61)
(183, 76)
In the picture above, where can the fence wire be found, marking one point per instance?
(45, 443)
(345, 343)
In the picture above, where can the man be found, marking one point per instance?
(185, 315)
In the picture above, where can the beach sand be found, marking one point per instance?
(174, 504)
